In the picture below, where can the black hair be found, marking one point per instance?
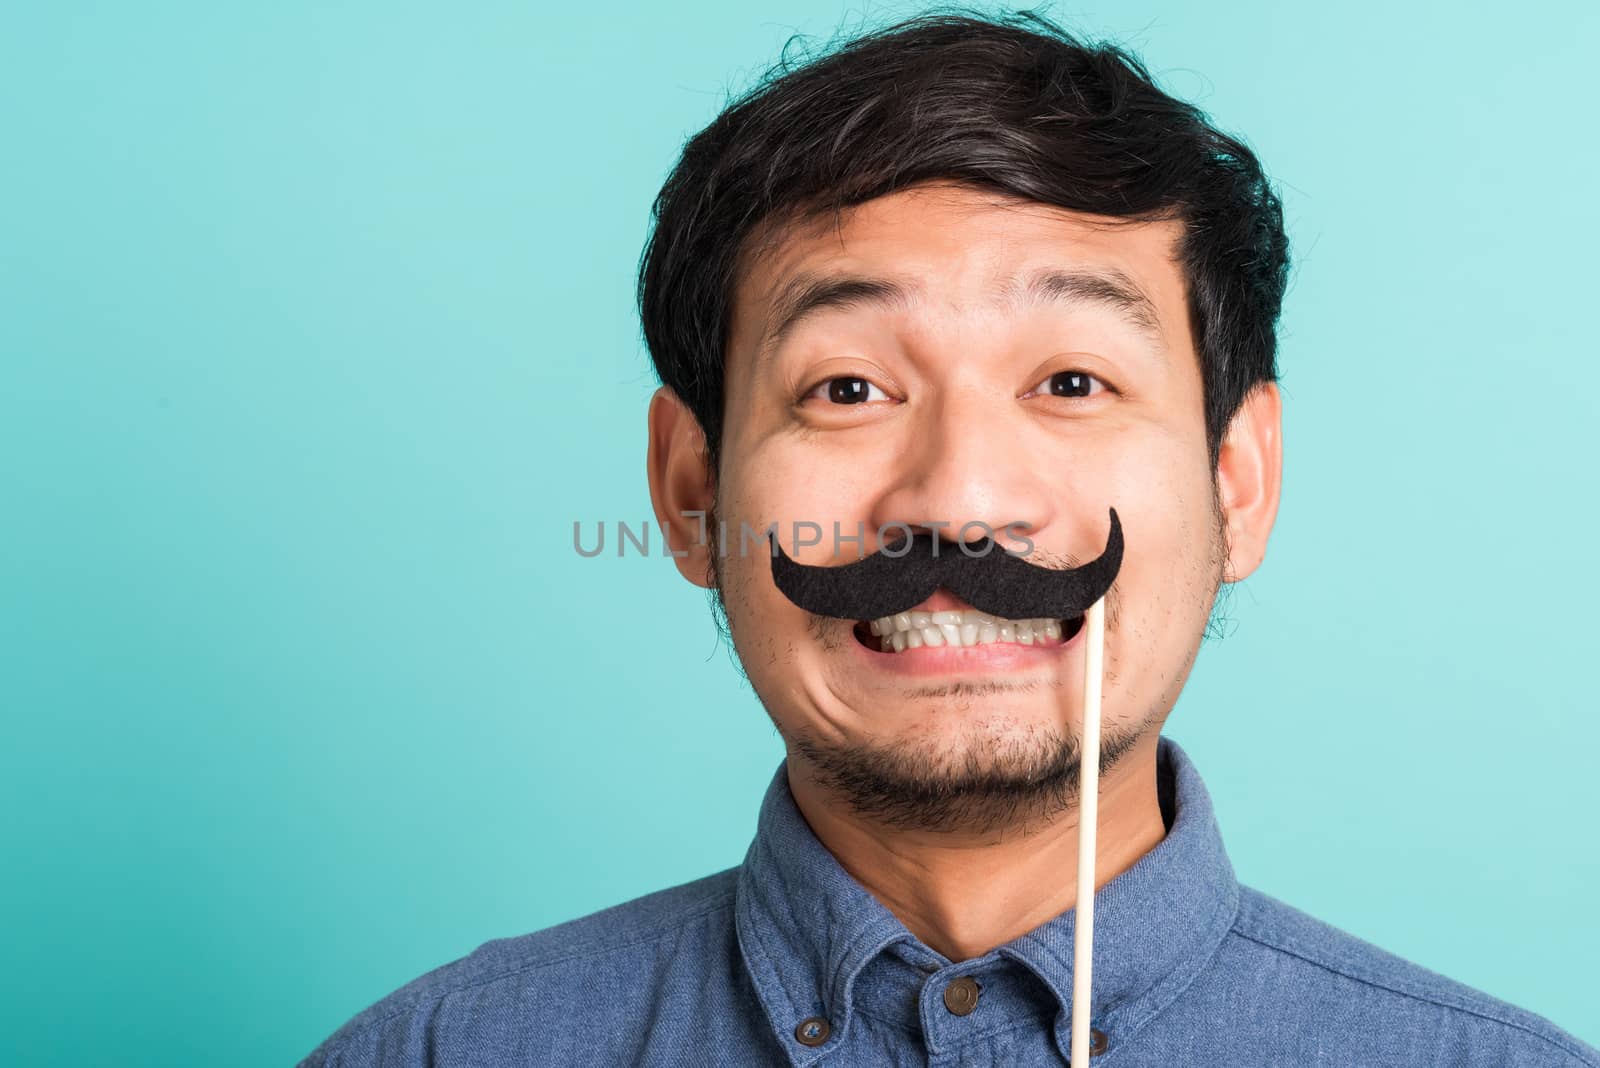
(1012, 104)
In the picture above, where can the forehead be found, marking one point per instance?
(958, 249)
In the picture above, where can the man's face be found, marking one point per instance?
(957, 409)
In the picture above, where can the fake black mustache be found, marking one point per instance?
(983, 574)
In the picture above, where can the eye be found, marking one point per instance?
(846, 389)
(1069, 384)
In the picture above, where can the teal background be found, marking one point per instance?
(318, 334)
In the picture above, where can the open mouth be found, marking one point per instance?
(960, 627)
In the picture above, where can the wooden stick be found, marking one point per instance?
(1088, 815)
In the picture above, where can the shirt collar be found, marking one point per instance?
(808, 930)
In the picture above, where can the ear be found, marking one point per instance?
(680, 482)
(1250, 478)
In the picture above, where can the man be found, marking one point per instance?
(960, 275)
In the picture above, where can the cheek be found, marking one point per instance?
(1167, 520)
(764, 486)
(789, 479)
(758, 613)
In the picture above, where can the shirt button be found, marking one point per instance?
(961, 996)
(1097, 1042)
(812, 1031)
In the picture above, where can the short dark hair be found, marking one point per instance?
(1011, 103)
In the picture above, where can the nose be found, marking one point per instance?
(967, 472)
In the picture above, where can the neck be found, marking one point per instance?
(963, 895)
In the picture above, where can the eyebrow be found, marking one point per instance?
(806, 294)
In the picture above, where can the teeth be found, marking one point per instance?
(913, 630)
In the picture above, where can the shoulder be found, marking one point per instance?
(1335, 972)
(618, 951)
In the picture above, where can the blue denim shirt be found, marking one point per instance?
(1190, 968)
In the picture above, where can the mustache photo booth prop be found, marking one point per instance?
(901, 576)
